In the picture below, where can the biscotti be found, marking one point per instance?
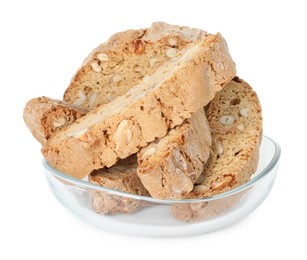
(175, 91)
(122, 177)
(125, 60)
(45, 116)
(169, 167)
(234, 116)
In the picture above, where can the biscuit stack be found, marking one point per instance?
(155, 112)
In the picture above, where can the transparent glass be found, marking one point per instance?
(140, 215)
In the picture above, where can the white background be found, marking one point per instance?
(41, 46)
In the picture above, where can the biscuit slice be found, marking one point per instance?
(127, 59)
(122, 177)
(169, 167)
(235, 120)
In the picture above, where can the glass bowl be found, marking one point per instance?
(152, 217)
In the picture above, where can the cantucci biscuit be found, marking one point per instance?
(235, 120)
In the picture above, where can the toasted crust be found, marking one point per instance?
(46, 116)
(175, 91)
(169, 167)
(235, 151)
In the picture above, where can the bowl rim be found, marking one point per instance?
(85, 184)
